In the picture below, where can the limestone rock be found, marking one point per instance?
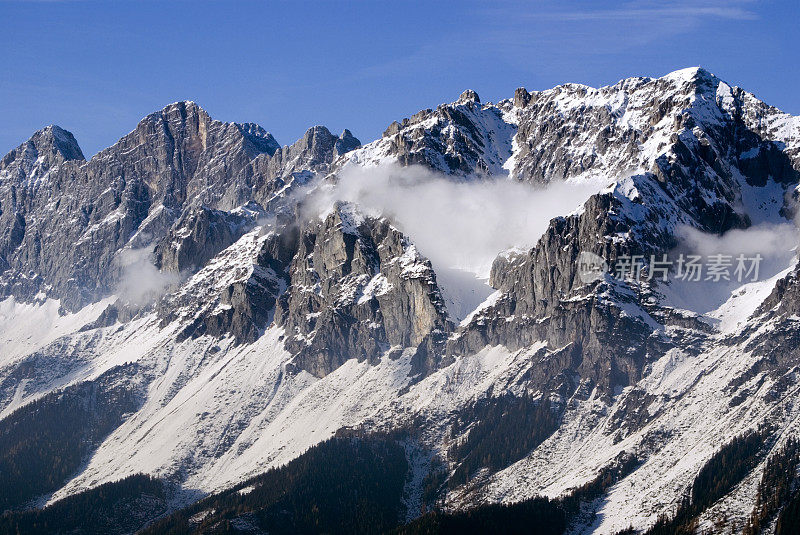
(358, 289)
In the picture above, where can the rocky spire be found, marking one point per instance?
(47, 147)
(469, 96)
(346, 143)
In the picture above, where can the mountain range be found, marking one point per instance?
(204, 331)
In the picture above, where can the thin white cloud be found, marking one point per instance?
(644, 13)
(564, 31)
(141, 282)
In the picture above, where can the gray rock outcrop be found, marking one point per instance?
(358, 290)
(63, 220)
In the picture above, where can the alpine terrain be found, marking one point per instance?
(204, 331)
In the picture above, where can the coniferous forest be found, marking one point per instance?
(720, 474)
(43, 443)
(356, 483)
(117, 507)
(507, 429)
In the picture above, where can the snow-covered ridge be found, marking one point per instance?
(612, 131)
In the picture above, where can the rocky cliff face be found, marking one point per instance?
(462, 138)
(281, 325)
(359, 290)
(66, 219)
(235, 293)
(200, 233)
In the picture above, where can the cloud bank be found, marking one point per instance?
(457, 224)
(140, 281)
(776, 243)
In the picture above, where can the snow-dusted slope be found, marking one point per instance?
(573, 131)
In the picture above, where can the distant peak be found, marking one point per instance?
(690, 74)
(186, 118)
(49, 146)
(469, 96)
(521, 97)
(58, 139)
(260, 139)
(183, 104)
(176, 113)
(346, 142)
(184, 108)
(319, 129)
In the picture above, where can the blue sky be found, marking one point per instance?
(96, 68)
